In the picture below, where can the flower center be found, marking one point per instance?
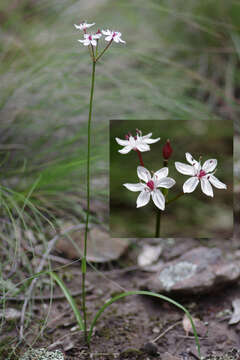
(90, 37)
(201, 174)
(114, 34)
(150, 184)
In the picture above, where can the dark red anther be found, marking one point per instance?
(127, 137)
(150, 184)
(167, 150)
(99, 31)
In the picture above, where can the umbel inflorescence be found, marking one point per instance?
(92, 39)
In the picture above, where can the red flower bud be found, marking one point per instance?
(167, 150)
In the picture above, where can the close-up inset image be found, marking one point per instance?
(171, 178)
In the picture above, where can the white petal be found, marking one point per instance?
(143, 173)
(158, 199)
(108, 38)
(142, 147)
(78, 26)
(93, 42)
(82, 41)
(151, 141)
(122, 41)
(215, 182)
(206, 187)
(143, 198)
(147, 136)
(190, 159)
(116, 39)
(135, 187)
(125, 150)
(209, 165)
(121, 142)
(190, 185)
(166, 182)
(161, 173)
(184, 168)
(106, 32)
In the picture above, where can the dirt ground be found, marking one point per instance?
(128, 327)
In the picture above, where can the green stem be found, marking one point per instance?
(100, 55)
(158, 223)
(175, 198)
(84, 259)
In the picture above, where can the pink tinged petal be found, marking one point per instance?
(143, 198)
(125, 150)
(209, 165)
(190, 185)
(206, 187)
(185, 169)
(161, 173)
(142, 147)
(215, 182)
(158, 199)
(143, 174)
(190, 159)
(151, 141)
(134, 187)
(166, 182)
(122, 142)
(132, 141)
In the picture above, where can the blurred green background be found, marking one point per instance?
(193, 215)
(181, 61)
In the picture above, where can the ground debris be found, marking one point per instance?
(42, 354)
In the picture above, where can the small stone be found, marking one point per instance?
(150, 348)
(10, 314)
(156, 330)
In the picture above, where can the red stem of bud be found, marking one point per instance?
(140, 157)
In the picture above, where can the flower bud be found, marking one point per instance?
(167, 150)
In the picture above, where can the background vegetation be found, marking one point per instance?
(181, 61)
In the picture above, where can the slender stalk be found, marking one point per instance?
(100, 55)
(140, 157)
(84, 259)
(158, 223)
(175, 198)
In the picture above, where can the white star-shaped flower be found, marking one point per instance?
(203, 174)
(138, 142)
(113, 35)
(89, 39)
(83, 26)
(150, 186)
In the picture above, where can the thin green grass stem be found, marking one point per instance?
(84, 259)
(148, 293)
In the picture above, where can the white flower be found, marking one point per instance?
(151, 185)
(89, 39)
(204, 174)
(113, 35)
(83, 26)
(138, 142)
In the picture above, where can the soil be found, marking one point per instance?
(129, 327)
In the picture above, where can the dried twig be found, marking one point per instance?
(166, 331)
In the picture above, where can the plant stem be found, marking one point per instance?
(100, 55)
(175, 198)
(84, 259)
(158, 223)
(140, 157)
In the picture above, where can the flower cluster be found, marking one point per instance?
(150, 185)
(92, 39)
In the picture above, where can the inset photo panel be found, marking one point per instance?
(171, 178)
